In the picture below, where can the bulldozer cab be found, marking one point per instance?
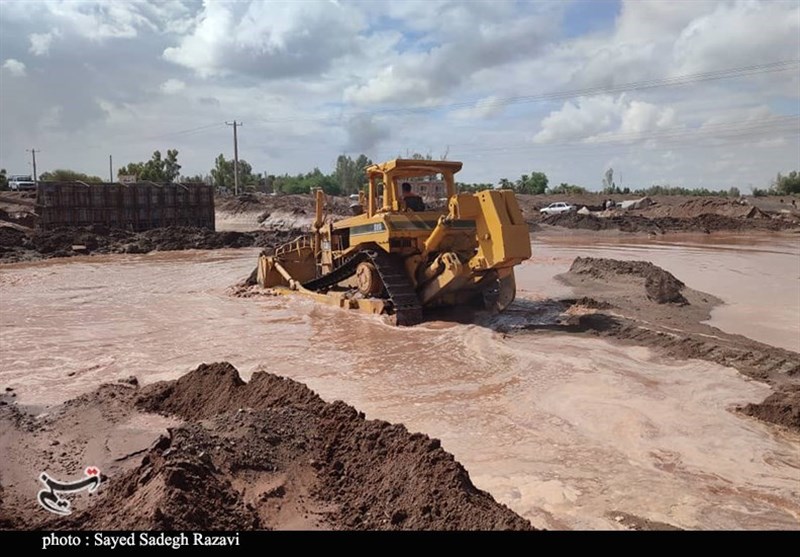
(422, 179)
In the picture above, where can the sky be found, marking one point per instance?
(685, 93)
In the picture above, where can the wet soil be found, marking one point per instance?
(705, 223)
(666, 214)
(18, 245)
(266, 454)
(298, 204)
(640, 303)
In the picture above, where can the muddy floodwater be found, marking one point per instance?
(567, 431)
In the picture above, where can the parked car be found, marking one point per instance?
(556, 208)
(18, 182)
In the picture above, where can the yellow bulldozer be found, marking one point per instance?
(398, 254)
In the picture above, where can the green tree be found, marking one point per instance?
(66, 175)
(196, 179)
(362, 163)
(305, 183)
(787, 185)
(3, 179)
(157, 169)
(222, 173)
(534, 184)
(350, 174)
(473, 188)
(567, 189)
(346, 174)
(171, 168)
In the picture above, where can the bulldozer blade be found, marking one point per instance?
(501, 294)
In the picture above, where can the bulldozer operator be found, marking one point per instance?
(411, 199)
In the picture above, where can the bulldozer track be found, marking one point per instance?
(400, 291)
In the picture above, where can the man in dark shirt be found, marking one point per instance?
(412, 200)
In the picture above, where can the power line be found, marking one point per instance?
(674, 142)
(189, 131)
(722, 130)
(687, 79)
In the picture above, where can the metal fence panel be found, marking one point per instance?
(138, 206)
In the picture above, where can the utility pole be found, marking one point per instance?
(235, 124)
(110, 170)
(33, 156)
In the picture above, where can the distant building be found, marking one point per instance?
(430, 189)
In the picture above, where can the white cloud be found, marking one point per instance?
(101, 20)
(486, 107)
(739, 34)
(595, 118)
(470, 37)
(580, 120)
(14, 67)
(172, 86)
(646, 22)
(201, 50)
(639, 117)
(267, 40)
(40, 42)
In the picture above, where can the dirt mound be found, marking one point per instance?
(705, 223)
(661, 286)
(16, 245)
(371, 474)
(217, 388)
(11, 238)
(266, 454)
(707, 206)
(709, 222)
(294, 204)
(781, 407)
(240, 204)
(176, 487)
(579, 221)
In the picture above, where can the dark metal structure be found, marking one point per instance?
(137, 206)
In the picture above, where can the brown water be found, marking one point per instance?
(563, 430)
(757, 276)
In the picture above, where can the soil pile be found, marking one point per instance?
(239, 204)
(705, 223)
(16, 245)
(369, 474)
(661, 286)
(781, 407)
(266, 454)
(297, 204)
(707, 206)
